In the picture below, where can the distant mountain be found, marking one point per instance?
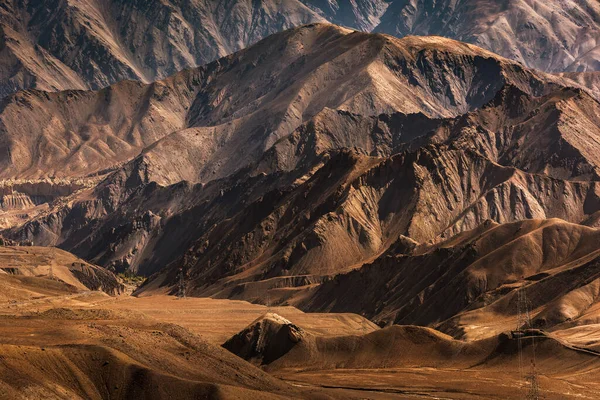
(226, 114)
(587, 80)
(553, 36)
(363, 15)
(58, 44)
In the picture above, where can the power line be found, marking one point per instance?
(181, 284)
(525, 329)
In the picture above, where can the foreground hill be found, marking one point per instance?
(100, 354)
(384, 361)
(278, 344)
(30, 272)
(128, 346)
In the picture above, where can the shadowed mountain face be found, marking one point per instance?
(318, 152)
(58, 44)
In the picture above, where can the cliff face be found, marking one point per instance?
(26, 193)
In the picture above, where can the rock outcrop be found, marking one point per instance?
(265, 340)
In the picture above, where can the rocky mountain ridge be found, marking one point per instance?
(300, 162)
(284, 81)
(81, 45)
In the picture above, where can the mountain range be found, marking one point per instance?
(59, 44)
(318, 161)
(357, 198)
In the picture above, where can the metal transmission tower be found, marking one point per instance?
(524, 330)
(50, 272)
(533, 392)
(523, 323)
(181, 284)
(524, 318)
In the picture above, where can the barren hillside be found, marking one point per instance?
(254, 181)
(552, 36)
(59, 45)
(467, 286)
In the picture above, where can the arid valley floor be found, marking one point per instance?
(57, 341)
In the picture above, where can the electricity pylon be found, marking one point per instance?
(524, 327)
(181, 284)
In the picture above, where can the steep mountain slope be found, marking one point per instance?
(281, 82)
(302, 157)
(506, 130)
(355, 207)
(78, 44)
(62, 44)
(548, 35)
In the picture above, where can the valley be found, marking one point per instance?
(165, 340)
(299, 199)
